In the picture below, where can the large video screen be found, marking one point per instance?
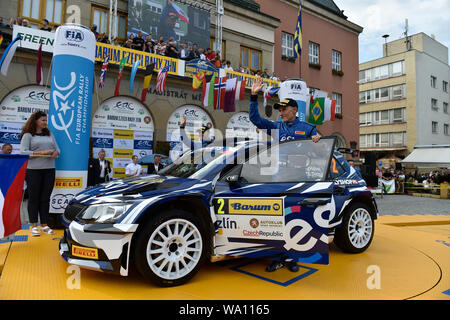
(169, 18)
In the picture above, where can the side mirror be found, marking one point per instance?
(232, 179)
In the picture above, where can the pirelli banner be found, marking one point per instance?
(123, 127)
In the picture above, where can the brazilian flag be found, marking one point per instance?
(316, 109)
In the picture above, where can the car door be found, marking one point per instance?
(277, 203)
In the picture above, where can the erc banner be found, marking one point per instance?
(69, 116)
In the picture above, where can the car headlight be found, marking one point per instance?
(105, 213)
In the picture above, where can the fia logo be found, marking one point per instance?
(74, 35)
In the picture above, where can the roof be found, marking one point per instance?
(430, 157)
(329, 5)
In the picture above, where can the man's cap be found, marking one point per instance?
(286, 103)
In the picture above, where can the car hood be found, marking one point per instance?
(139, 188)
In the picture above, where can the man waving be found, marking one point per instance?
(290, 127)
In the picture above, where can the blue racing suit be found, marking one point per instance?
(288, 130)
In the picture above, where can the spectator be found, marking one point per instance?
(99, 170)
(138, 42)
(217, 62)
(210, 55)
(25, 23)
(103, 38)
(265, 75)
(94, 30)
(55, 27)
(12, 22)
(194, 54)
(7, 148)
(274, 77)
(172, 51)
(133, 169)
(228, 66)
(115, 42)
(149, 44)
(183, 51)
(161, 48)
(45, 25)
(19, 21)
(202, 55)
(157, 165)
(129, 42)
(38, 141)
(2, 25)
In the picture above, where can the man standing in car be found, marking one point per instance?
(290, 127)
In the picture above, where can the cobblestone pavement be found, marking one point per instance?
(397, 204)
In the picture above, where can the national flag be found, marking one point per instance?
(1, 39)
(8, 55)
(298, 33)
(230, 95)
(13, 168)
(208, 90)
(161, 79)
(39, 73)
(219, 92)
(330, 110)
(180, 13)
(240, 89)
(121, 66)
(270, 92)
(197, 80)
(103, 72)
(134, 69)
(316, 109)
(147, 78)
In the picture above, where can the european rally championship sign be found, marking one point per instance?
(69, 117)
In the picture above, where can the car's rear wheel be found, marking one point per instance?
(356, 232)
(170, 248)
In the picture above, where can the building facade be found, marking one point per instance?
(404, 98)
(329, 58)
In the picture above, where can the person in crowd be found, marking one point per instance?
(12, 22)
(2, 25)
(45, 25)
(138, 42)
(183, 51)
(115, 42)
(274, 77)
(133, 169)
(7, 148)
(194, 54)
(172, 51)
(157, 165)
(103, 38)
(19, 21)
(290, 127)
(217, 62)
(149, 46)
(100, 169)
(352, 164)
(129, 42)
(39, 143)
(210, 55)
(25, 23)
(228, 65)
(94, 30)
(202, 54)
(265, 74)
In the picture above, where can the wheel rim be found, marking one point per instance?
(174, 249)
(360, 228)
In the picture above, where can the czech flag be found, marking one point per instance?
(13, 168)
(180, 13)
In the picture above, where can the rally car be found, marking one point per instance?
(250, 199)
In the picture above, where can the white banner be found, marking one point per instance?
(389, 185)
(33, 38)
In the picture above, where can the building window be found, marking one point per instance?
(434, 127)
(397, 139)
(445, 107)
(100, 17)
(251, 58)
(446, 129)
(445, 86)
(365, 119)
(287, 44)
(398, 92)
(398, 115)
(37, 10)
(336, 59)
(381, 139)
(433, 81)
(381, 117)
(213, 46)
(314, 53)
(397, 68)
(382, 72)
(434, 104)
(338, 98)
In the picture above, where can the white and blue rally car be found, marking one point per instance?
(250, 199)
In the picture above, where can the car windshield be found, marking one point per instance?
(196, 164)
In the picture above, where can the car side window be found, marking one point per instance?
(336, 169)
(293, 161)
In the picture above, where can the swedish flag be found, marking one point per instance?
(298, 33)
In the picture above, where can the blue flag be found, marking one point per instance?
(133, 73)
(298, 34)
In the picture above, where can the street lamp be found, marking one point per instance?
(385, 36)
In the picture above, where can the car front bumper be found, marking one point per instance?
(98, 247)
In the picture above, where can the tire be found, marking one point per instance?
(170, 258)
(356, 232)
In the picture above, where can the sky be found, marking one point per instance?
(379, 17)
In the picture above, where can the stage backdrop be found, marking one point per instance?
(69, 117)
(123, 127)
(190, 25)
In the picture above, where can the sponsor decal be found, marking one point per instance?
(123, 134)
(300, 132)
(226, 223)
(60, 201)
(254, 223)
(123, 153)
(74, 35)
(84, 252)
(255, 206)
(69, 183)
(259, 233)
(345, 181)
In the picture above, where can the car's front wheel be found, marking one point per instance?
(170, 248)
(356, 232)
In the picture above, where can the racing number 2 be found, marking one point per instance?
(221, 203)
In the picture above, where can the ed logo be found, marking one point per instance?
(374, 281)
(74, 280)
